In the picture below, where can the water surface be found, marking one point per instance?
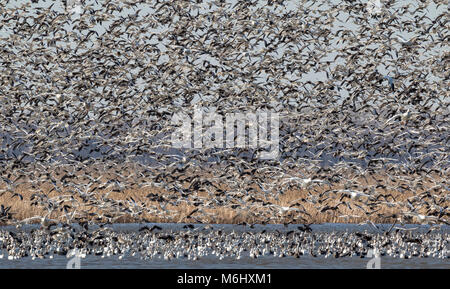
(211, 262)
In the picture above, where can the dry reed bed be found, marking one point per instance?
(245, 200)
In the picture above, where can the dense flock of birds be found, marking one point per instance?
(88, 92)
(194, 243)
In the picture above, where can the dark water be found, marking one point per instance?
(210, 262)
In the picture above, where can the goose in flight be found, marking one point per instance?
(354, 195)
(44, 221)
(407, 43)
(403, 116)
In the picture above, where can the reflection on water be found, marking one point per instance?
(304, 262)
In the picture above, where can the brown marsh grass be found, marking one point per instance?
(249, 212)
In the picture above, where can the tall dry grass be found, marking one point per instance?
(310, 200)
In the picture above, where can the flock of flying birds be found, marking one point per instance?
(88, 91)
